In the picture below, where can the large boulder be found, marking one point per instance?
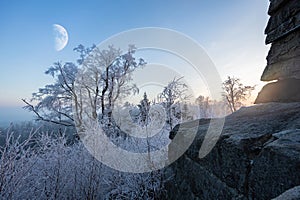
(256, 157)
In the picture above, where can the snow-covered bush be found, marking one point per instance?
(45, 166)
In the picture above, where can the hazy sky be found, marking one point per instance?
(231, 32)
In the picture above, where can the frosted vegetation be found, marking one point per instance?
(46, 159)
(45, 165)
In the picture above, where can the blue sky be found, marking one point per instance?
(230, 31)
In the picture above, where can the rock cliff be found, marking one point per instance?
(283, 33)
(256, 157)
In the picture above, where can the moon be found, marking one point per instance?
(61, 37)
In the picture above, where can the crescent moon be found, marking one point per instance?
(61, 37)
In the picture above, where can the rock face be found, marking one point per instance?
(285, 19)
(287, 90)
(256, 157)
(283, 59)
(283, 31)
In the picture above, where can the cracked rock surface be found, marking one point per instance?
(256, 157)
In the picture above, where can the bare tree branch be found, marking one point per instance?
(41, 118)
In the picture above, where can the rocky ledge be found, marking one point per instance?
(256, 157)
(287, 90)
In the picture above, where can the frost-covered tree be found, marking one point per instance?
(104, 75)
(54, 100)
(53, 103)
(174, 92)
(235, 92)
(185, 112)
(14, 166)
(203, 105)
(144, 108)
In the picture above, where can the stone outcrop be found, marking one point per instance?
(284, 19)
(286, 90)
(283, 59)
(256, 157)
(283, 32)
